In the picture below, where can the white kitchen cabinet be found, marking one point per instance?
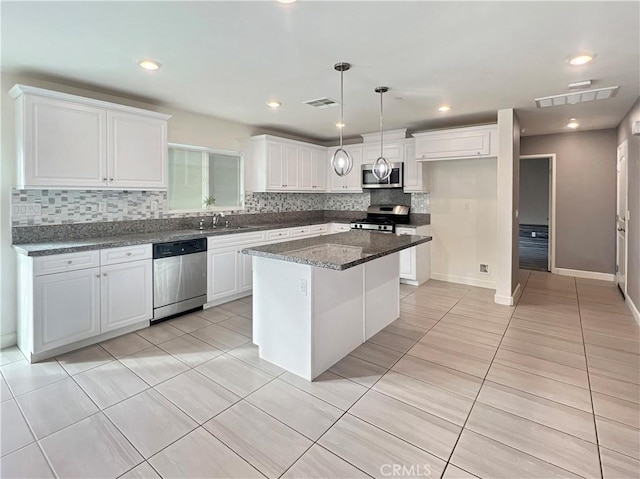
(126, 294)
(67, 141)
(415, 262)
(351, 183)
(66, 308)
(229, 274)
(393, 153)
(137, 153)
(457, 143)
(222, 272)
(279, 164)
(313, 171)
(416, 173)
(72, 300)
(340, 227)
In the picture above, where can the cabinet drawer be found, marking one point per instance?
(125, 254)
(319, 229)
(60, 263)
(340, 227)
(405, 231)
(301, 231)
(234, 239)
(277, 234)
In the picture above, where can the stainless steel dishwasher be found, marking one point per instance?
(179, 277)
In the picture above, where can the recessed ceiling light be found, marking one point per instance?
(581, 59)
(150, 65)
(286, 1)
(274, 104)
(341, 125)
(573, 124)
(444, 108)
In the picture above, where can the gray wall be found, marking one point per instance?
(633, 225)
(585, 196)
(534, 191)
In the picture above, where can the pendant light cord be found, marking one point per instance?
(341, 105)
(381, 149)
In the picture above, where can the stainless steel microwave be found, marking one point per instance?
(395, 179)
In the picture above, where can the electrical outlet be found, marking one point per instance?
(29, 210)
(533, 234)
(102, 207)
(154, 205)
(484, 268)
(303, 287)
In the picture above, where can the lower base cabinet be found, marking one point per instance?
(415, 263)
(66, 308)
(230, 273)
(75, 299)
(125, 294)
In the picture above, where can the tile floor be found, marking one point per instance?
(458, 387)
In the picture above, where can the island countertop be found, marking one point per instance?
(338, 251)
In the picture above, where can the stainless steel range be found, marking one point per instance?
(382, 218)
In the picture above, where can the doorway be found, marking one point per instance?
(622, 213)
(536, 212)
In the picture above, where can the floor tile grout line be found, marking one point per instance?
(480, 388)
(519, 368)
(595, 423)
(366, 391)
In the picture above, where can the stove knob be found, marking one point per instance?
(379, 227)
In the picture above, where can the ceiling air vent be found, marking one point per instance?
(324, 102)
(577, 97)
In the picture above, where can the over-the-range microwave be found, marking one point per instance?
(394, 180)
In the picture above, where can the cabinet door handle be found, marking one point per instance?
(104, 274)
(69, 262)
(98, 275)
(110, 179)
(129, 253)
(104, 179)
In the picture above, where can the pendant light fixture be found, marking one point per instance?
(341, 161)
(381, 167)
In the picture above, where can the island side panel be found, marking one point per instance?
(338, 315)
(382, 293)
(282, 314)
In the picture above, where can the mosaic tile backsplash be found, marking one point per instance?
(51, 207)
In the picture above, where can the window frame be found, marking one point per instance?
(205, 150)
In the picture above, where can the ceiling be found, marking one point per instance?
(227, 59)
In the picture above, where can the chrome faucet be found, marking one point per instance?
(216, 219)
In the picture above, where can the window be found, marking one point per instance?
(197, 174)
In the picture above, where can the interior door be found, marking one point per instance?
(621, 219)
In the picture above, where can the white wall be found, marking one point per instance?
(463, 220)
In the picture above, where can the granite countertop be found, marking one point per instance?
(338, 251)
(75, 245)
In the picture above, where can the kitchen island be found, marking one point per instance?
(315, 300)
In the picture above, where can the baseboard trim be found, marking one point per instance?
(509, 300)
(464, 280)
(585, 274)
(634, 310)
(7, 340)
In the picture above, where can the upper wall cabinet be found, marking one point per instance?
(457, 143)
(398, 148)
(67, 141)
(279, 164)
